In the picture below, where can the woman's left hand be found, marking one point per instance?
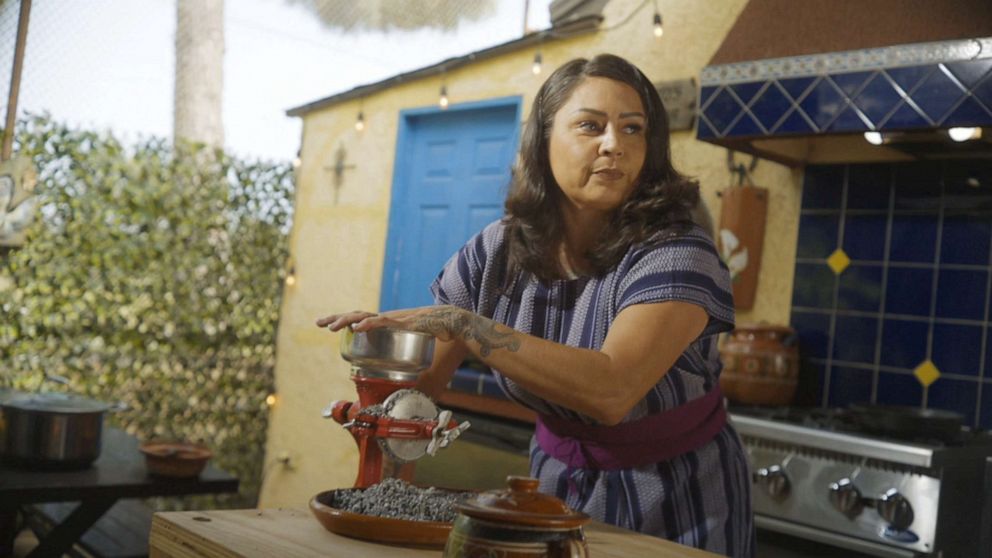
(440, 321)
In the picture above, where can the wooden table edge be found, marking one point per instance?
(181, 535)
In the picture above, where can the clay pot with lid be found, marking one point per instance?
(760, 364)
(517, 522)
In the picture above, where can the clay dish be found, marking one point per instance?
(424, 534)
(175, 459)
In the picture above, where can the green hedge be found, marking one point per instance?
(152, 276)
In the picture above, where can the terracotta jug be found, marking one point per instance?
(518, 522)
(760, 364)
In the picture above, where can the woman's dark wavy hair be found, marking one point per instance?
(662, 198)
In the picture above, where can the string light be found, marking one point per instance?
(270, 399)
(536, 68)
(296, 160)
(291, 276)
(443, 100)
(658, 30)
(360, 122)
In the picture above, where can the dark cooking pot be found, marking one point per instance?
(51, 430)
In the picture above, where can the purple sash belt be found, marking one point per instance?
(652, 439)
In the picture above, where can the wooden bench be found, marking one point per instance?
(122, 532)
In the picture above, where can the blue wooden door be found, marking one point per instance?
(452, 173)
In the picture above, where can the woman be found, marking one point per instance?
(597, 303)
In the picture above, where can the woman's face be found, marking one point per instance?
(598, 143)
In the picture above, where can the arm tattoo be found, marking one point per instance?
(469, 326)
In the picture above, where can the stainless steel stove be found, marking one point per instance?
(819, 476)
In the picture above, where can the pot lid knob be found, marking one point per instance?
(521, 504)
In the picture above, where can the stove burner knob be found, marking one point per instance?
(775, 481)
(846, 498)
(895, 508)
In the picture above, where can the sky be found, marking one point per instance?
(109, 64)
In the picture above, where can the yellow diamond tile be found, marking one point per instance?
(926, 373)
(838, 261)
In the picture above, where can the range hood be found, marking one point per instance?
(867, 104)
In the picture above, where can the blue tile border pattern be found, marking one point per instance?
(901, 87)
(917, 287)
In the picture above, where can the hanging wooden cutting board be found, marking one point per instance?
(741, 235)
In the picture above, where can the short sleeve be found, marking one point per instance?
(460, 281)
(686, 268)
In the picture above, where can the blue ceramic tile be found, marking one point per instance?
(854, 339)
(817, 235)
(961, 294)
(466, 380)
(877, 99)
(794, 123)
(968, 113)
(965, 239)
(956, 349)
(904, 343)
(868, 186)
(795, 87)
(987, 365)
(746, 91)
(823, 103)
(812, 376)
(848, 121)
(823, 186)
(936, 95)
(983, 92)
(703, 129)
(914, 238)
(908, 291)
(851, 83)
(905, 117)
(959, 396)
(860, 288)
(970, 72)
(985, 421)
(918, 186)
(747, 126)
(706, 93)
(899, 389)
(722, 111)
(490, 388)
(907, 78)
(814, 287)
(849, 386)
(771, 106)
(864, 236)
(814, 333)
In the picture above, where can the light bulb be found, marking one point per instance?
(270, 399)
(443, 101)
(297, 162)
(291, 277)
(874, 138)
(964, 134)
(360, 122)
(658, 30)
(536, 68)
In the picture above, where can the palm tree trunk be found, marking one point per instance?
(199, 72)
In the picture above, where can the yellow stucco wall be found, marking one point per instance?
(339, 234)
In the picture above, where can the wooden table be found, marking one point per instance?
(119, 473)
(295, 533)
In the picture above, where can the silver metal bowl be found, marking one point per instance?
(396, 354)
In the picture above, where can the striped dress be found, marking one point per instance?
(700, 499)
